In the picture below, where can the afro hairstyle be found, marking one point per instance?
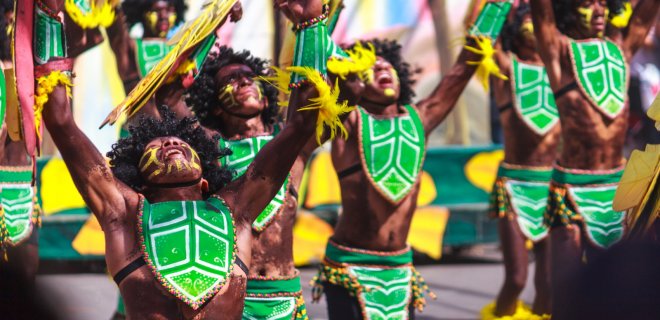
(203, 95)
(566, 12)
(135, 10)
(126, 153)
(5, 43)
(390, 50)
(512, 27)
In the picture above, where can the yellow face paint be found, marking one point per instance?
(172, 19)
(152, 159)
(527, 28)
(368, 76)
(389, 92)
(585, 17)
(151, 18)
(227, 95)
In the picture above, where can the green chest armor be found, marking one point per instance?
(243, 153)
(189, 246)
(17, 200)
(602, 74)
(149, 52)
(533, 100)
(392, 152)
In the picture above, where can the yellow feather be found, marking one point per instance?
(622, 19)
(280, 80)
(360, 59)
(487, 66)
(326, 103)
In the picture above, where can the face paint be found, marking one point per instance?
(172, 19)
(151, 18)
(151, 159)
(389, 92)
(368, 76)
(527, 28)
(585, 17)
(227, 95)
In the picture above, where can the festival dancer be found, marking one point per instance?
(178, 230)
(235, 101)
(241, 111)
(589, 76)
(19, 210)
(367, 272)
(531, 134)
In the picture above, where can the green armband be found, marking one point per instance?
(49, 40)
(311, 50)
(491, 19)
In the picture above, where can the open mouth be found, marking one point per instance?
(384, 79)
(174, 153)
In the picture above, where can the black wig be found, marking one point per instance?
(566, 12)
(512, 27)
(390, 50)
(126, 153)
(203, 95)
(135, 10)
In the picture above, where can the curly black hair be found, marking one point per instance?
(135, 10)
(5, 43)
(203, 95)
(126, 153)
(512, 27)
(566, 12)
(390, 50)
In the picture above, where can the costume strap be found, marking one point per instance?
(522, 173)
(580, 177)
(346, 256)
(267, 287)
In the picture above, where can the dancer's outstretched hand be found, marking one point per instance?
(236, 12)
(300, 10)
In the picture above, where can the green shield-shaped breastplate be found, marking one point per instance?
(602, 74)
(17, 201)
(149, 53)
(189, 246)
(243, 153)
(48, 37)
(392, 152)
(534, 100)
(491, 19)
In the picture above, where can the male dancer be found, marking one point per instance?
(367, 271)
(531, 133)
(241, 111)
(164, 202)
(588, 74)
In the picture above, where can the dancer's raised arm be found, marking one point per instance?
(105, 196)
(548, 38)
(641, 21)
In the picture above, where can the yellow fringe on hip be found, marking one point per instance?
(103, 15)
(487, 65)
(329, 108)
(45, 86)
(622, 19)
(360, 59)
(522, 312)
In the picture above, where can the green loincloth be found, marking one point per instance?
(586, 196)
(274, 299)
(19, 210)
(522, 191)
(385, 283)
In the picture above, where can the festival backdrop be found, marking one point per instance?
(456, 180)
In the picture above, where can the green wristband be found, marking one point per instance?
(491, 19)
